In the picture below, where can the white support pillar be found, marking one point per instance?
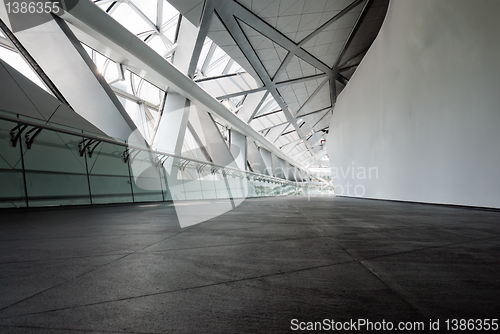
(268, 161)
(279, 166)
(238, 148)
(186, 42)
(211, 138)
(172, 127)
(249, 108)
(255, 158)
(290, 172)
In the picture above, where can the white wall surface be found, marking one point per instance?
(424, 107)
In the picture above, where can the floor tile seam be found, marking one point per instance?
(469, 239)
(258, 220)
(210, 228)
(83, 237)
(319, 229)
(244, 279)
(307, 217)
(99, 218)
(93, 219)
(248, 227)
(376, 240)
(236, 244)
(448, 263)
(414, 307)
(80, 275)
(54, 286)
(417, 227)
(423, 249)
(64, 258)
(422, 311)
(90, 256)
(76, 330)
(497, 234)
(364, 232)
(401, 293)
(142, 251)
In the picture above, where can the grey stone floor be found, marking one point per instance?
(132, 269)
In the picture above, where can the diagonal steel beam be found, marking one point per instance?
(143, 16)
(355, 29)
(322, 117)
(343, 80)
(273, 126)
(230, 12)
(348, 68)
(208, 13)
(245, 92)
(353, 57)
(230, 64)
(298, 51)
(344, 11)
(269, 113)
(225, 10)
(104, 32)
(245, 15)
(311, 97)
(217, 77)
(287, 133)
(333, 91)
(277, 85)
(159, 14)
(299, 80)
(314, 112)
(257, 108)
(217, 63)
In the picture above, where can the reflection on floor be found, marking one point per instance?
(131, 268)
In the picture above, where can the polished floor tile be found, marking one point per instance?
(133, 269)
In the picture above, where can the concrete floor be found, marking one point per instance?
(131, 268)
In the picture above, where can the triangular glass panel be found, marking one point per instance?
(297, 94)
(271, 54)
(298, 68)
(218, 33)
(320, 101)
(329, 42)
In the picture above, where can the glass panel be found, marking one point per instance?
(244, 186)
(55, 172)
(109, 175)
(130, 19)
(111, 71)
(207, 180)
(220, 186)
(157, 44)
(146, 181)
(11, 174)
(192, 184)
(251, 188)
(174, 182)
(148, 7)
(235, 186)
(167, 195)
(150, 93)
(15, 60)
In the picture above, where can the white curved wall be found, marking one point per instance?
(424, 107)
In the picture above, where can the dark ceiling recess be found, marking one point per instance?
(363, 36)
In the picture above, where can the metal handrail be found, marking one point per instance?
(183, 160)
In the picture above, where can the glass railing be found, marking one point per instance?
(47, 164)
